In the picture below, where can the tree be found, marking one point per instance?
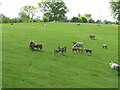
(4, 19)
(45, 19)
(115, 9)
(83, 19)
(24, 17)
(99, 21)
(75, 19)
(88, 16)
(28, 12)
(55, 11)
(91, 20)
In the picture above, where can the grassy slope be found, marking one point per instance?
(46, 70)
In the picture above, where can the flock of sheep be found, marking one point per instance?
(76, 47)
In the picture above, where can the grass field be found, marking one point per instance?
(71, 70)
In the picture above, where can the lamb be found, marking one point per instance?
(88, 50)
(32, 45)
(92, 36)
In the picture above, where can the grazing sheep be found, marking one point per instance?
(32, 45)
(88, 50)
(114, 66)
(79, 44)
(56, 51)
(104, 46)
(92, 36)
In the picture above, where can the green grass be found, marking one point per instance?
(71, 70)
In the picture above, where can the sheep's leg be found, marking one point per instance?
(32, 49)
(91, 53)
(40, 48)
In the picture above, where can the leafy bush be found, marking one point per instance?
(75, 19)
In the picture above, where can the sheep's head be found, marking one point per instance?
(74, 42)
(110, 63)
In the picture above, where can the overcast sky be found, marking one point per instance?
(98, 8)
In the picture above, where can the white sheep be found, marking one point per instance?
(79, 44)
(104, 46)
(114, 66)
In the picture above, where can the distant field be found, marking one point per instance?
(71, 70)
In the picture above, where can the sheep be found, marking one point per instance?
(114, 66)
(79, 44)
(62, 48)
(56, 51)
(88, 50)
(39, 46)
(77, 49)
(32, 45)
(92, 36)
(104, 46)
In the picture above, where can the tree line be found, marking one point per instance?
(56, 11)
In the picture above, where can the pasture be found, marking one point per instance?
(24, 68)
